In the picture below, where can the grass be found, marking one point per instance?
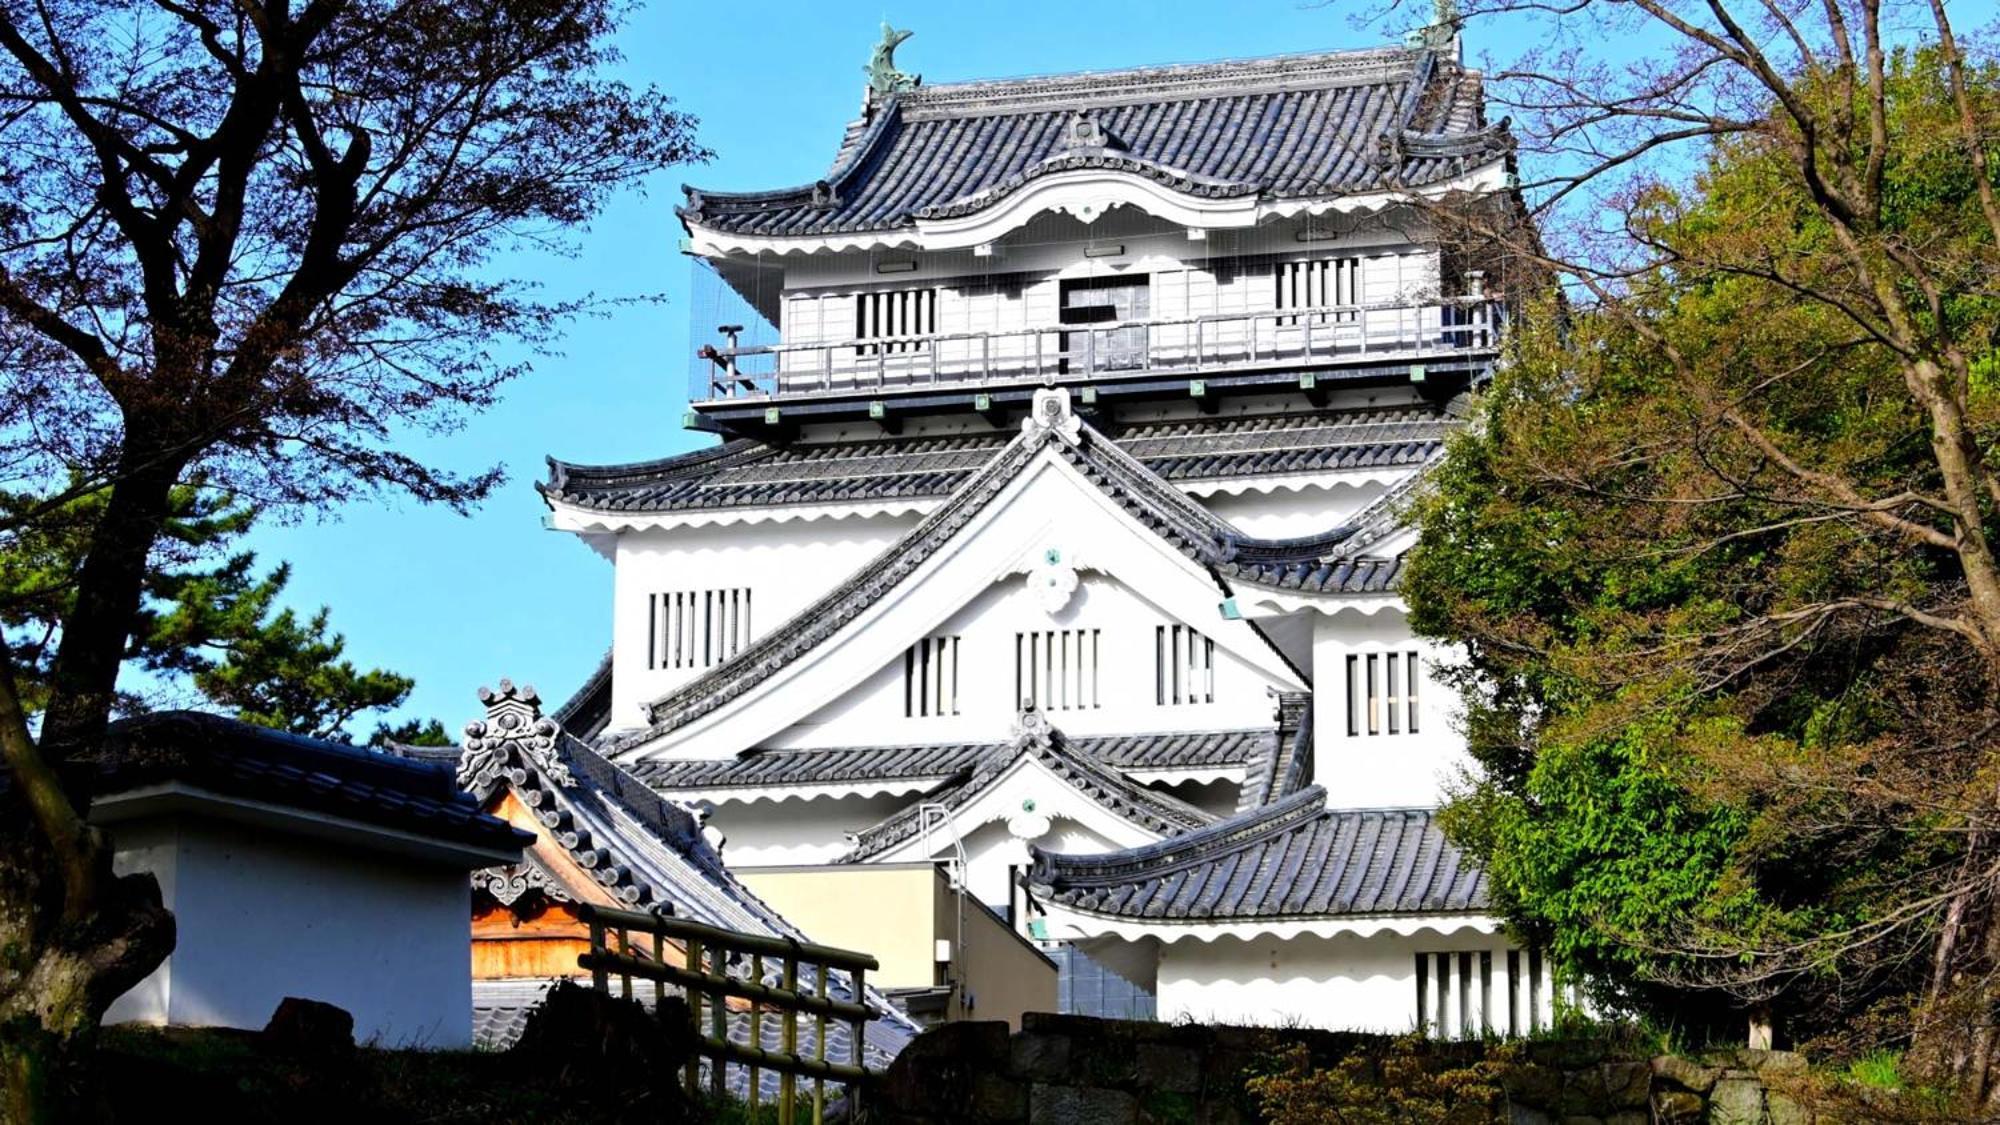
(1880, 1070)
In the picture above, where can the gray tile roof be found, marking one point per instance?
(333, 778)
(757, 768)
(1149, 808)
(749, 473)
(1293, 127)
(645, 850)
(1294, 858)
(1283, 764)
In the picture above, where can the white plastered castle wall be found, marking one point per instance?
(262, 915)
(1111, 685)
(1358, 757)
(1339, 982)
(1018, 285)
(785, 566)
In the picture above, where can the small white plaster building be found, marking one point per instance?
(298, 867)
(1057, 539)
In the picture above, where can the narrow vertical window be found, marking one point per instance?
(1410, 689)
(892, 317)
(697, 628)
(1374, 694)
(1353, 697)
(1392, 695)
(930, 678)
(1056, 669)
(1184, 666)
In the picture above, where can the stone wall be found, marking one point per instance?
(1074, 1070)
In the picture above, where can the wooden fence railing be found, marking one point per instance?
(627, 944)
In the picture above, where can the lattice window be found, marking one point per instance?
(930, 678)
(1318, 283)
(1183, 666)
(1382, 693)
(1462, 994)
(895, 312)
(1056, 669)
(696, 628)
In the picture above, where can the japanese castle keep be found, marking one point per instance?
(1050, 538)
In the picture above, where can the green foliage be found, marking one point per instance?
(1409, 1084)
(1879, 1069)
(208, 620)
(1715, 763)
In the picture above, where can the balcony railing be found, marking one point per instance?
(1335, 334)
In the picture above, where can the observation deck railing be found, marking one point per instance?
(1073, 353)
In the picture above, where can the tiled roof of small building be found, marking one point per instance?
(1294, 858)
(1161, 751)
(646, 851)
(748, 473)
(1305, 126)
(1149, 808)
(240, 760)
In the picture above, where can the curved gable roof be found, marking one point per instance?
(1293, 858)
(1291, 127)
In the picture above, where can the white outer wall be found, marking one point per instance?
(873, 714)
(1381, 770)
(786, 566)
(790, 832)
(1343, 983)
(262, 916)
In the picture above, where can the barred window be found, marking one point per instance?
(930, 678)
(696, 628)
(1318, 283)
(1056, 669)
(1183, 666)
(1460, 997)
(892, 313)
(1382, 693)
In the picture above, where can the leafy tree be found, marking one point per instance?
(242, 242)
(215, 628)
(1719, 549)
(411, 732)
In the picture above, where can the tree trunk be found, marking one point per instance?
(84, 677)
(57, 976)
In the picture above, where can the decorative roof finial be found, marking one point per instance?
(1442, 34)
(512, 740)
(883, 77)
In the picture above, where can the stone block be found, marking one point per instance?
(998, 1100)
(1039, 1056)
(1736, 1101)
(1081, 1105)
(1164, 1107)
(1628, 1117)
(1627, 1085)
(1582, 1093)
(1782, 1110)
(1534, 1085)
(313, 1028)
(1174, 1069)
(1678, 1107)
(1680, 1072)
(1527, 1115)
(1103, 1062)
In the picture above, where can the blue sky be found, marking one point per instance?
(457, 601)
